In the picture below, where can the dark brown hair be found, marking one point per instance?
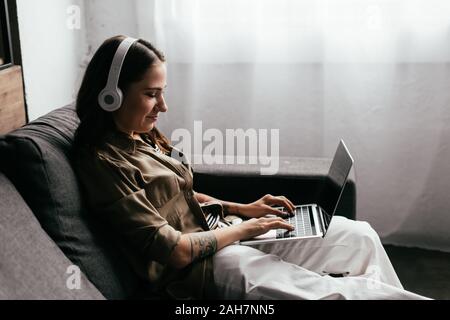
(95, 123)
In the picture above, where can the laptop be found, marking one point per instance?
(313, 220)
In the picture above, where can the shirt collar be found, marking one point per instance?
(127, 143)
(121, 140)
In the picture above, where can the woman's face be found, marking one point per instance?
(142, 102)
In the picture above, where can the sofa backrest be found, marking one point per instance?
(36, 158)
(31, 264)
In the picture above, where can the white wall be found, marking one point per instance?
(107, 18)
(51, 53)
(55, 56)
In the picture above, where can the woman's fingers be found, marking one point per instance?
(290, 202)
(278, 223)
(281, 201)
(277, 212)
(281, 224)
(271, 219)
(256, 227)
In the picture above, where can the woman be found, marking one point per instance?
(145, 196)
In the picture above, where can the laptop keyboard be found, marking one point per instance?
(301, 220)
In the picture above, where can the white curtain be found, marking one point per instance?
(376, 73)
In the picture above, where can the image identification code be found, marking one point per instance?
(231, 309)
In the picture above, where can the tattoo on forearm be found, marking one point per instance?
(202, 245)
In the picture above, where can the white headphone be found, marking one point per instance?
(110, 98)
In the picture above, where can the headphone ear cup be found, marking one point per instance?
(119, 98)
(110, 100)
(111, 97)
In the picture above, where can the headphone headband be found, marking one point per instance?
(110, 98)
(117, 63)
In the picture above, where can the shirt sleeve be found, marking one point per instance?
(113, 191)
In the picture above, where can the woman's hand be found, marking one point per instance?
(262, 207)
(255, 227)
(199, 245)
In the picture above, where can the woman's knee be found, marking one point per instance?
(355, 232)
(236, 268)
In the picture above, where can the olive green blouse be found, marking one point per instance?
(146, 199)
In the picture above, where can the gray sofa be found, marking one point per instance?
(45, 228)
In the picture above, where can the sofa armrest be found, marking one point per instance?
(299, 179)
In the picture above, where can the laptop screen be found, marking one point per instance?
(335, 182)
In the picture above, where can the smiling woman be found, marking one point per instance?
(146, 199)
(142, 81)
(143, 102)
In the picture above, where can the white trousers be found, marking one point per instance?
(300, 269)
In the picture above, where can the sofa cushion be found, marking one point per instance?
(31, 264)
(36, 158)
